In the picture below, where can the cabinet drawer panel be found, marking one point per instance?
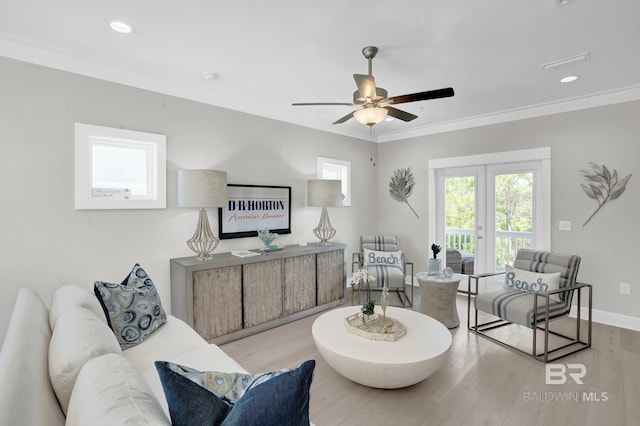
(217, 301)
(299, 283)
(331, 280)
(262, 291)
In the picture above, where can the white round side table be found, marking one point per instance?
(439, 298)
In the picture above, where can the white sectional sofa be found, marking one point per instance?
(63, 365)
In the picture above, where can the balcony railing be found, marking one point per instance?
(507, 243)
(460, 239)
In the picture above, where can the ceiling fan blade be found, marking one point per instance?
(422, 96)
(323, 103)
(343, 119)
(399, 114)
(366, 85)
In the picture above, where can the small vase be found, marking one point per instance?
(434, 266)
(384, 301)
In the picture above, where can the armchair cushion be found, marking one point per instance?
(379, 242)
(547, 262)
(393, 277)
(454, 260)
(517, 306)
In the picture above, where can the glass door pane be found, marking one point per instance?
(460, 218)
(513, 216)
(487, 207)
(460, 223)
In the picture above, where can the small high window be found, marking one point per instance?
(330, 168)
(119, 169)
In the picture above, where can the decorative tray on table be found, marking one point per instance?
(377, 328)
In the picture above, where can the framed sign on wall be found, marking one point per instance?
(253, 207)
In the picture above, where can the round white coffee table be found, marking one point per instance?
(381, 364)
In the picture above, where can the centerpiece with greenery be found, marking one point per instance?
(368, 311)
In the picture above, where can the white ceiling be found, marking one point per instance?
(267, 55)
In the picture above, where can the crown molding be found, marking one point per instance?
(626, 94)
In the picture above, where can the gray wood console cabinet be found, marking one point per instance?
(229, 297)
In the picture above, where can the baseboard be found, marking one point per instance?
(608, 318)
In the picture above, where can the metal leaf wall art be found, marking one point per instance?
(602, 185)
(401, 185)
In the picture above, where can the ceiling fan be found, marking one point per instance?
(374, 101)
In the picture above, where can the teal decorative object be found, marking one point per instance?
(267, 237)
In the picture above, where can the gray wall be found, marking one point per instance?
(45, 243)
(609, 244)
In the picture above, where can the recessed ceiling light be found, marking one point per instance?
(568, 79)
(121, 27)
(388, 118)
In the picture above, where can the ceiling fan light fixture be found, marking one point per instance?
(370, 116)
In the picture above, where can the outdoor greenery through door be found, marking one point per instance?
(489, 206)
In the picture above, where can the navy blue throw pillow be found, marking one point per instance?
(278, 398)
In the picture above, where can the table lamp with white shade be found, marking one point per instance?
(325, 193)
(202, 189)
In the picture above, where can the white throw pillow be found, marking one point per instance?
(70, 296)
(110, 391)
(383, 258)
(531, 282)
(78, 337)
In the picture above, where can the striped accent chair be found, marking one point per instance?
(525, 304)
(393, 276)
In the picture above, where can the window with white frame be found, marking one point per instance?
(119, 169)
(330, 168)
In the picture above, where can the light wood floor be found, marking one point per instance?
(481, 383)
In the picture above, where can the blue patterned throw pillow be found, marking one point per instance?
(133, 308)
(277, 398)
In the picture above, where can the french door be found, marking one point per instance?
(487, 208)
